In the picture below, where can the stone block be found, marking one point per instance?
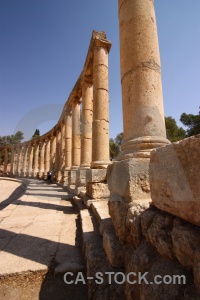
(96, 175)
(81, 177)
(112, 247)
(165, 291)
(186, 240)
(159, 234)
(129, 179)
(72, 177)
(97, 190)
(133, 220)
(78, 190)
(174, 180)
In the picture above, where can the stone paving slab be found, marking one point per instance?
(36, 231)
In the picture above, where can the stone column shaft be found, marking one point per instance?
(12, 149)
(30, 163)
(41, 168)
(25, 160)
(47, 156)
(68, 141)
(36, 159)
(18, 160)
(100, 125)
(76, 142)
(87, 118)
(53, 153)
(143, 113)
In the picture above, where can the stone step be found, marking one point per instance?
(96, 260)
(111, 243)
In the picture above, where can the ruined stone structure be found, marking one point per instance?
(140, 213)
(73, 149)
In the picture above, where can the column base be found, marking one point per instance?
(100, 164)
(141, 147)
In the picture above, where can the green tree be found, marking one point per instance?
(115, 145)
(36, 134)
(174, 133)
(12, 139)
(192, 122)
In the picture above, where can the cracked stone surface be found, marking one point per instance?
(38, 230)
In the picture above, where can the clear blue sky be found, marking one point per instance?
(43, 46)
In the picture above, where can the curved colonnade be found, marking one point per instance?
(75, 142)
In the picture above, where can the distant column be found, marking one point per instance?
(76, 142)
(53, 153)
(41, 168)
(68, 141)
(47, 157)
(87, 117)
(100, 125)
(57, 157)
(143, 113)
(25, 160)
(36, 148)
(19, 157)
(30, 163)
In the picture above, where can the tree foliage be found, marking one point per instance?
(36, 134)
(192, 122)
(115, 145)
(174, 133)
(12, 139)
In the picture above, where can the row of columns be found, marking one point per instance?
(81, 140)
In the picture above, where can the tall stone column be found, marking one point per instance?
(68, 146)
(47, 158)
(86, 134)
(41, 168)
(25, 160)
(143, 114)
(62, 154)
(53, 153)
(19, 156)
(76, 142)
(36, 156)
(87, 118)
(100, 125)
(142, 100)
(30, 162)
(5, 161)
(57, 156)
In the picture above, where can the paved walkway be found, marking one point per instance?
(38, 229)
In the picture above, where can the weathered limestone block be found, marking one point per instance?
(129, 179)
(159, 234)
(186, 240)
(174, 180)
(118, 212)
(96, 175)
(140, 260)
(147, 218)
(81, 177)
(97, 190)
(164, 291)
(133, 220)
(72, 177)
(112, 246)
